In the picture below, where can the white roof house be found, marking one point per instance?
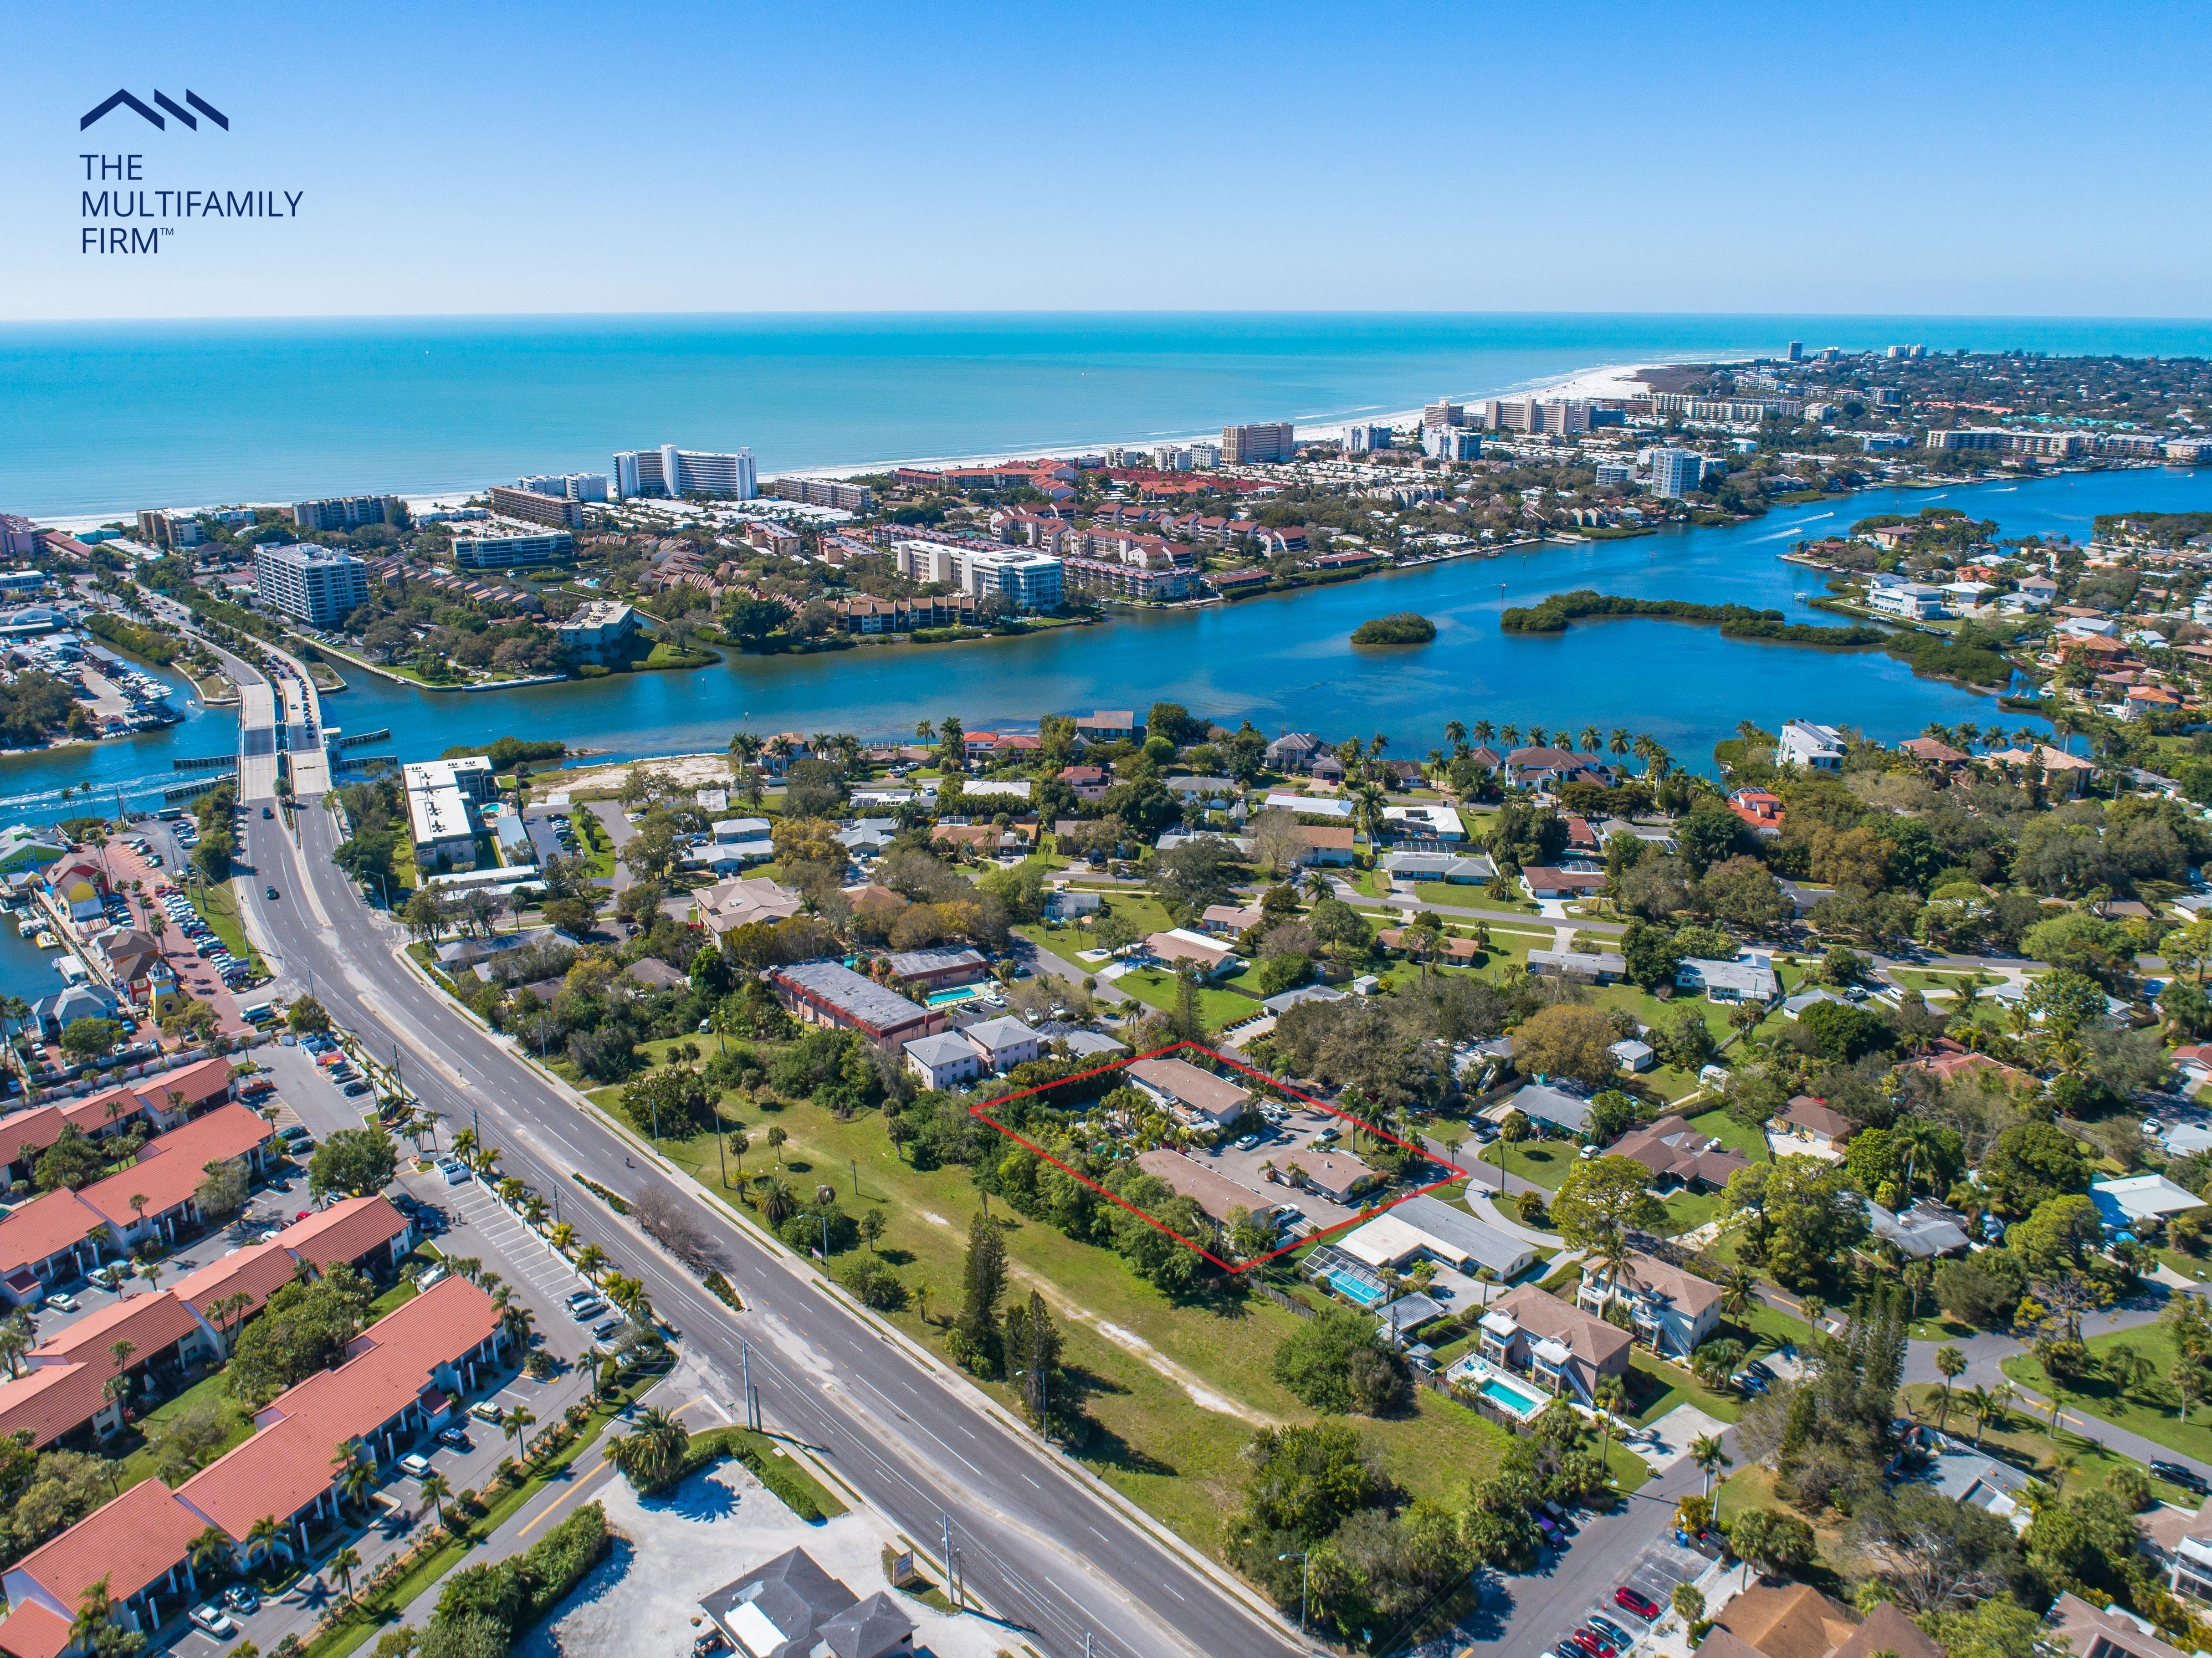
(1730, 982)
(1431, 823)
(1312, 806)
(1816, 748)
(1426, 1225)
(2140, 1197)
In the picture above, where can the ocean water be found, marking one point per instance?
(109, 417)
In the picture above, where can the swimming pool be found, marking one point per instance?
(1355, 1289)
(940, 998)
(1512, 1399)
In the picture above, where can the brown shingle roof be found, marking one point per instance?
(1215, 1193)
(1597, 1343)
(1791, 1620)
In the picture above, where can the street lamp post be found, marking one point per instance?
(1305, 1581)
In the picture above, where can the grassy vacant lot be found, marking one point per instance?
(1175, 1389)
(1657, 1388)
(218, 907)
(1688, 1211)
(1217, 1007)
(1732, 1134)
(2097, 1397)
(2024, 1442)
(1544, 1162)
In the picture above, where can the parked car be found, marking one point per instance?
(454, 1439)
(241, 1598)
(62, 1301)
(2172, 1473)
(1598, 1620)
(607, 1329)
(212, 1619)
(588, 1309)
(1629, 1599)
(484, 1411)
(416, 1463)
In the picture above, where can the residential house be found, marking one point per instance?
(1448, 867)
(2133, 1200)
(727, 905)
(1813, 748)
(1753, 981)
(1340, 1176)
(1926, 1231)
(1760, 809)
(1565, 1349)
(827, 993)
(2073, 1625)
(1212, 1191)
(1181, 944)
(791, 1608)
(1002, 1043)
(1293, 751)
(1188, 1093)
(1809, 1119)
(942, 1060)
(1107, 725)
(1679, 1154)
(1326, 845)
(1600, 966)
(1939, 755)
(1227, 920)
(1543, 882)
(1795, 1620)
(1676, 1312)
(1427, 1227)
(1424, 823)
(1560, 1106)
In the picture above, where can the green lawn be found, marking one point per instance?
(2097, 1397)
(209, 1392)
(1217, 1007)
(1154, 1439)
(1658, 1387)
(592, 833)
(1732, 1134)
(218, 907)
(1544, 1162)
(1468, 896)
(1688, 1211)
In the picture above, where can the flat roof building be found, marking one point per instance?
(676, 472)
(320, 587)
(532, 506)
(502, 550)
(1241, 445)
(347, 512)
(441, 799)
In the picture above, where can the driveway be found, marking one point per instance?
(619, 829)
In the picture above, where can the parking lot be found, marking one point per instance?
(1661, 1565)
(1285, 1142)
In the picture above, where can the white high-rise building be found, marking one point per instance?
(1675, 472)
(320, 587)
(566, 486)
(1028, 580)
(1362, 439)
(671, 471)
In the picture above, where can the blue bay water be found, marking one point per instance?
(110, 417)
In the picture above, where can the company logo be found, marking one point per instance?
(123, 100)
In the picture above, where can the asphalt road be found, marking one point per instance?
(1043, 1544)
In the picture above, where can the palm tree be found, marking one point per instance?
(516, 1423)
(562, 1236)
(95, 1613)
(589, 1260)
(1589, 740)
(1976, 1404)
(777, 1136)
(16, 1338)
(345, 1563)
(1622, 744)
(1483, 731)
(210, 1549)
(267, 1532)
(654, 1451)
(1950, 1363)
(1705, 1451)
(516, 1319)
(435, 1489)
(1536, 736)
(740, 1143)
(355, 1477)
(464, 1146)
(1611, 1398)
(1317, 884)
(1456, 734)
(1511, 736)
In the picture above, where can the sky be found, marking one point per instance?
(680, 156)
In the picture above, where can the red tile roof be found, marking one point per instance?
(345, 1232)
(148, 1323)
(284, 1467)
(171, 1166)
(44, 1226)
(53, 1399)
(198, 1083)
(132, 1542)
(33, 1630)
(258, 1271)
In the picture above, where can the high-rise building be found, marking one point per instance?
(1796, 350)
(319, 587)
(1675, 472)
(497, 551)
(671, 471)
(19, 536)
(157, 528)
(1615, 472)
(1452, 442)
(1243, 445)
(1205, 457)
(1362, 439)
(531, 508)
(347, 512)
(1443, 414)
(1028, 580)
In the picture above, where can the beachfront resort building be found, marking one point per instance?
(1242, 445)
(676, 472)
(320, 587)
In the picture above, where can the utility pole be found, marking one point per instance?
(948, 1557)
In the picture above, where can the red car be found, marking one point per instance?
(1583, 1643)
(1597, 1641)
(1628, 1600)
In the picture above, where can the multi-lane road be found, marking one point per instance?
(1070, 1567)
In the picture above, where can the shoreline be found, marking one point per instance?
(1598, 380)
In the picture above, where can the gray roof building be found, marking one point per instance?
(779, 1611)
(1288, 999)
(1556, 1106)
(829, 993)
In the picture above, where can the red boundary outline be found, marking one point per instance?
(982, 1112)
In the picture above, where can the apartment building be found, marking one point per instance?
(1740, 410)
(1997, 440)
(1452, 443)
(1241, 446)
(1026, 579)
(1364, 440)
(164, 529)
(443, 796)
(1441, 413)
(347, 512)
(566, 486)
(533, 506)
(600, 631)
(501, 550)
(823, 492)
(1675, 472)
(674, 472)
(319, 587)
(1815, 748)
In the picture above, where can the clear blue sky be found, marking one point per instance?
(685, 156)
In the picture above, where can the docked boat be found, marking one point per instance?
(46, 940)
(30, 926)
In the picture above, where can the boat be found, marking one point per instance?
(46, 940)
(30, 926)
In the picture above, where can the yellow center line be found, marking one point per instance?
(576, 1490)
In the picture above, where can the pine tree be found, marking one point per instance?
(983, 1280)
(1188, 1023)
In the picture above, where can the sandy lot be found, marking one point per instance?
(702, 771)
(716, 1527)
